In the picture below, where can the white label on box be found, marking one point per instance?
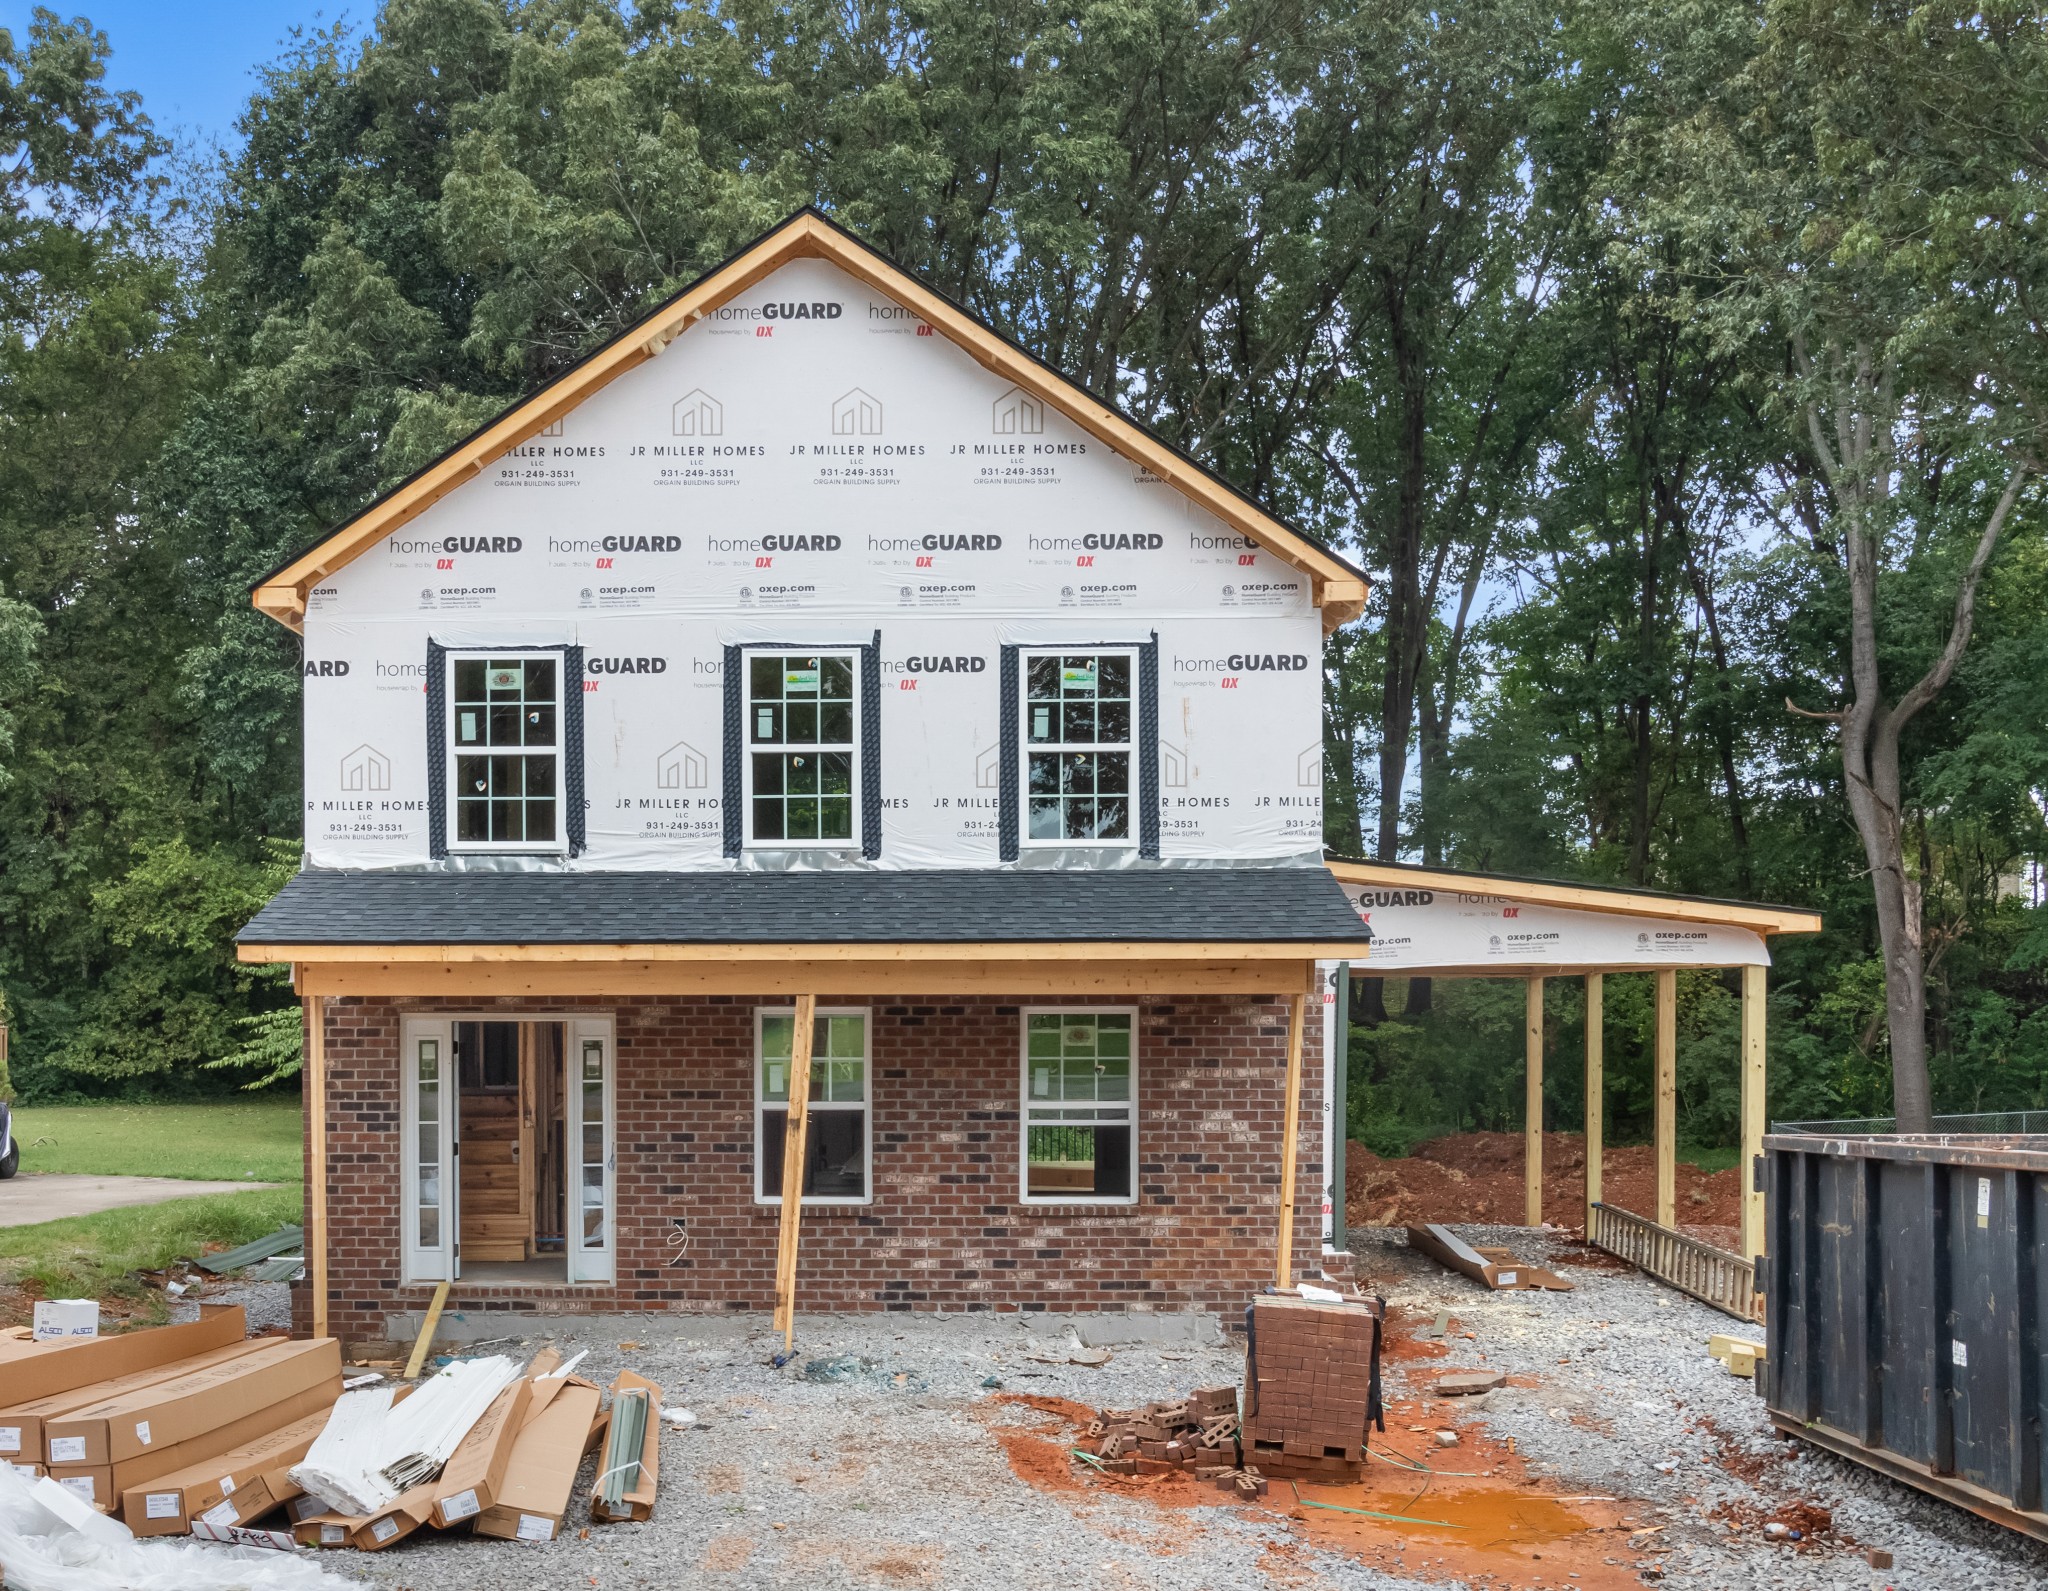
(1958, 1351)
(385, 1528)
(24, 1469)
(78, 1485)
(67, 1450)
(163, 1505)
(1983, 1201)
(227, 1486)
(332, 1535)
(1506, 1278)
(142, 1432)
(532, 1527)
(301, 1508)
(10, 1439)
(460, 1506)
(220, 1515)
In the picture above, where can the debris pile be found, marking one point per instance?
(1198, 1432)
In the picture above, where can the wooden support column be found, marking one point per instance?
(793, 1140)
(1596, 1091)
(1753, 1078)
(1665, 1137)
(1532, 1103)
(316, 1173)
(1290, 1140)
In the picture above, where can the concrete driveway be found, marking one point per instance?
(34, 1197)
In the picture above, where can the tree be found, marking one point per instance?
(1884, 257)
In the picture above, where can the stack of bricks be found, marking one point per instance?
(1309, 1386)
(1198, 1433)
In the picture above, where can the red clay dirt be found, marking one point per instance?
(1477, 1177)
(1492, 1524)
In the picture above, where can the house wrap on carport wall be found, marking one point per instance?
(809, 741)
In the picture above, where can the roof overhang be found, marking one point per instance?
(1615, 901)
(1339, 589)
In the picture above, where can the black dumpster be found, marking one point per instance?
(1905, 1285)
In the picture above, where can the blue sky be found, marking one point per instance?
(191, 61)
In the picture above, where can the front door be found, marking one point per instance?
(588, 1120)
(431, 1202)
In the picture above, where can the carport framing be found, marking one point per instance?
(1688, 910)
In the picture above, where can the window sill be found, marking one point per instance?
(1072, 1212)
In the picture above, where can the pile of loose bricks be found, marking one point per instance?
(1198, 1433)
(1309, 1375)
(1310, 1369)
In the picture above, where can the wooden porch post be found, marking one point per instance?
(1290, 1134)
(1666, 1129)
(793, 1140)
(1532, 1104)
(1753, 1078)
(1596, 1091)
(316, 1173)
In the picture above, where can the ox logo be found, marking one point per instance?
(681, 767)
(857, 413)
(365, 768)
(1017, 413)
(697, 413)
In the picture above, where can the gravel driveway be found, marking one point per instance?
(884, 1459)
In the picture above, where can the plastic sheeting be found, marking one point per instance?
(812, 482)
(50, 1541)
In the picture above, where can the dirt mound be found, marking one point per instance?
(1477, 1177)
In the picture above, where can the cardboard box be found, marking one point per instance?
(24, 1428)
(324, 1528)
(32, 1370)
(167, 1505)
(62, 1319)
(638, 1501)
(469, 1482)
(394, 1523)
(563, 1422)
(110, 1482)
(165, 1413)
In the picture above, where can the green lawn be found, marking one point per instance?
(1709, 1158)
(255, 1140)
(90, 1256)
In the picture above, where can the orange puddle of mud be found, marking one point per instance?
(1495, 1524)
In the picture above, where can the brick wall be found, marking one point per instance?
(945, 1229)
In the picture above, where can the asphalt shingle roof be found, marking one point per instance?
(1185, 905)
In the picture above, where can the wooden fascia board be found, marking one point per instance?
(592, 980)
(1337, 588)
(801, 954)
(1586, 897)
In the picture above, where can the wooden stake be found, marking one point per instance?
(428, 1327)
(316, 1174)
(1532, 1103)
(1596, 1089)
(793, 1140)
(1290, 1134)
(1666, 1119)
(1753, 1080)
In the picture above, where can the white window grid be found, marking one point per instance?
(1044, 1113)
(765, 732)
(1079, 754)
(819, 1101)
(483, 744)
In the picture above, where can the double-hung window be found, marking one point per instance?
(1078, 751)
(504, 751)
(1080, 1107)
(802, 729)
(836, 1143)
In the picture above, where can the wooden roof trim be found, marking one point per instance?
(1337, 588)
(1006, 950)
(1584, 897)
